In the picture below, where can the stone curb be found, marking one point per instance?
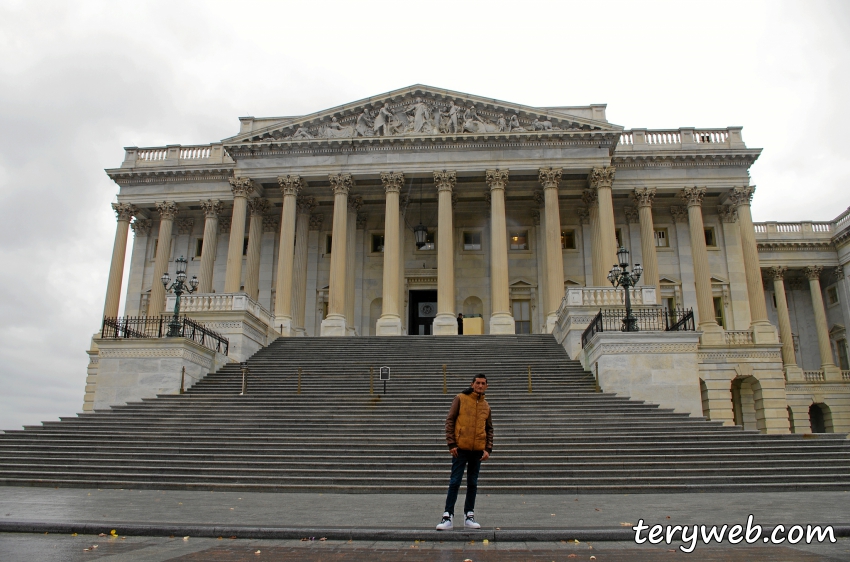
(335, 533)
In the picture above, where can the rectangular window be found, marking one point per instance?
(471, 241)
(522, 316)
(718, 312)
(155, 248)
(619, 235)
(377, 243)
(710, 238)
(661, 239)
(199, 247)
(843, 362)
(831, 295)
(568, 239)
(519, 240)
(328, 244)
(429, 245)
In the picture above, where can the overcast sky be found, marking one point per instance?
(81, 80)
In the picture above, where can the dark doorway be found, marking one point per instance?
(423, 309)
(817, 417)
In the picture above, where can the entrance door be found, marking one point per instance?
(423, 309)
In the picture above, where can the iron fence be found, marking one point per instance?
(647, 320)
(134, 327)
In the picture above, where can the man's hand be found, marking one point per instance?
(453, 451)
(485, 456)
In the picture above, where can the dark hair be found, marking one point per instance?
(479, 376)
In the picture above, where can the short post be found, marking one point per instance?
(596, 379)
(182, 378)
(299, 380)
(371, 377)
(244, 380)
(445, 388)
(529, 379)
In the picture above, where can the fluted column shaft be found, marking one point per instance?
(334, 323)
(299, 265)
(210, 241)
(600, 270)
(255, 238)
(644, 197)
(445, 324)
(290, 186)
(354, 204)
(788, 356)
(755, 290)
(702, 275)
(826, 360)
(389, 324)
(501, 319)
(550, 178)
(241, 188)
(123, 212)
(167, 213)
(602, 180)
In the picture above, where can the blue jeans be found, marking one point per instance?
(471, 461)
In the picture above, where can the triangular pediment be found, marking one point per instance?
(422, 111)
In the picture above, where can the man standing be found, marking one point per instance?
(469, 435)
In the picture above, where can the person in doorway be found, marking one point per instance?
(460, 324)
(469, 436)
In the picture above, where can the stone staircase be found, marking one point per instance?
(330, 434)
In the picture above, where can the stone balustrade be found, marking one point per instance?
(813, 376)
(175, 155)
(608, 296)
(678, 139)
(738, 337)
(845, 375)
(224, 302)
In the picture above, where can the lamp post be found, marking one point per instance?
(179, 287)
(619, 276)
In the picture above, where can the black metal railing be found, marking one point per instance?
(647, 320)
(135, 327)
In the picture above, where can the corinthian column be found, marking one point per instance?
(256, 208)
(763, 330)
(290, 186)
(241, 188)
(501, 319)
(334, 324)
(712, 332)
(445, 324)
(212, 209)
(778, 275)
(643, 198)
(598, 267)
(299, 266)
(601, 180)
(389, 324)
(167, 213)
(550, 178)
(123, 212)
(354, 205)
(830, 371)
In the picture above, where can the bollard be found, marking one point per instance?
(371, 376)
(445, 388)
(299, 380)
(529, 379)
(182, 378)
(244, 380)
(596, 379)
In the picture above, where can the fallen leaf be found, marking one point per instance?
(73, 534)
(668, 517)
(220, 538)
(323, 539)
(185, 538)
(113, 532)
(485, 541)
(627, 524)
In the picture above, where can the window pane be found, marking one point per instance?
(328, 244)
(471, 240)
(709, 237)
(429, 243)
(661, 237)
(199, 247)
(519, 240)
(377, 242)
(568, 239)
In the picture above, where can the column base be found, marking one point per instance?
(502, 323)
(284, 326)
(551, 322)
(333, 326)
(445, 325)
(388, 325)
(350, 331)
(831, 373)
(764, 332)
(712, 334)
(793, 373)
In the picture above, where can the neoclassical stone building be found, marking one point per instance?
(391, 215)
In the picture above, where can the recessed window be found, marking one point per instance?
(155, 248)
(568, 239)
(522, 316)
(719, 316)
(471, 241)
(245, 247)
(377, 243)
(519, 240)
(328, 244)
(661, 238)
(619, 234)
(710, 238)
(429, 245)
(831, 295)
(199, 247)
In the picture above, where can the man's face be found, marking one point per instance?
(479, 385)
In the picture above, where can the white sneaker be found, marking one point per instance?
(470, 522)
(446, 523)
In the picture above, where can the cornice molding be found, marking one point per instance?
(173, 175)
(776, 246)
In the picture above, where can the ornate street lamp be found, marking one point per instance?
(619, 276)
(179, 287)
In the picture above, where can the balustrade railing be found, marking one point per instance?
(706, 137)
(139, 327)
(813, 376)
(845, 375)
(739, 337)
(609, 296)
(626, 137)
(663, 137)
(648, 320)
(152, 154)
(220, 302)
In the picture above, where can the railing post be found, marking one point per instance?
(182, 378)
(244, 380)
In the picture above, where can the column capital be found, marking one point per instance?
(212, 208)
(316, 221)
(242, 187)
(535, 217)
(539, 198)
(679, 214)
(124, 211)
(224, 225)
(550, 177)
(141, 227)
(632, 215)
(393, 181)
(583, 215)
(601, 177)
(590, 197)
(167, 210)
(777, 272)
(813, 272)
(258, 206)
(693, 196)
(341, 183)
(742, 195)
(290, 185)
(728, 213)
(270, 223)
(305, 205)
(497, 179)
(185, 225)
(361, 220)
(644, 196)
(355, 202)
(445, 180)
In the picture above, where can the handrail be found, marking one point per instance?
(648, 320)
(138, 327)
